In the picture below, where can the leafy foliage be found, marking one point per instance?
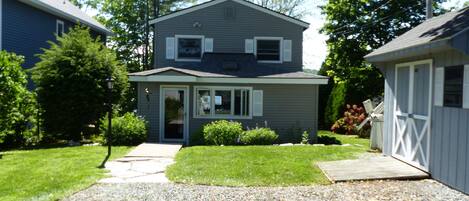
(305, 138)
(353, 116)
(336, 102)
(259, 136)
(222, 132)
(355, 28)
(17, 104)
(71, 83)
(127, 130)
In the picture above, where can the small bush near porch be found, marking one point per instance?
(261, 165)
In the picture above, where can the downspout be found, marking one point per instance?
(429, 9)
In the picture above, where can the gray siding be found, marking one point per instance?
(449, 153)
(229, 34)
(288, 109)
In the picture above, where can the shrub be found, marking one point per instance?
(127, 130)
(335, 103)
(71, 83)
(259, 136)
(305, 138)
(222, 132)
(353, 116)
(17, 103)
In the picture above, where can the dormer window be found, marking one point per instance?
(59, 28)
(268, 49)
(189, 48)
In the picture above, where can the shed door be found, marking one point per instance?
(411, 135)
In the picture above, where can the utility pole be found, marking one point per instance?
(429, 9)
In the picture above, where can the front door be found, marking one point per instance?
(412, 111)
(173, 116)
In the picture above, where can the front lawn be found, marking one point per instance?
(261, 165)
(51, 174)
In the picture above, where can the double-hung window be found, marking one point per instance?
(189, 48)
(268, 49)
(223, 102)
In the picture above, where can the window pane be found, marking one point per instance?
(268, 50)
(453, 86)
(241, 106)
(223, 102)
(189, 48)
(203, 102)
(60, 29)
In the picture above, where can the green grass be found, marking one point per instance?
(51, 174)
(260, 165)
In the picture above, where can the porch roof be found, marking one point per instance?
(190, 75)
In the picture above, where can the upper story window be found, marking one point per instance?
(60, 28)
(268, 49)
(189, 48)
(453, 86)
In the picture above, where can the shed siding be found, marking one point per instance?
(449, 153)
(288, 109)
(27, 29)
(229, 34)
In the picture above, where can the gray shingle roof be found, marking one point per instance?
(241, 65)
(435, 29)
(67, 10)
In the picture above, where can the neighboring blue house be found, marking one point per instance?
(27, 25)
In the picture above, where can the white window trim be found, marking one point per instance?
(176, 44)
(212, 97)
(57, 27)
(280, 39)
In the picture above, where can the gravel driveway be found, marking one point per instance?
(371, 190)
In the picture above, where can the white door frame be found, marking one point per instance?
(413, 150)
(186, 113)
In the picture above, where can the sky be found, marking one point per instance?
(314, 43)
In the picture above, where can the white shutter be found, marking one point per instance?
(208, 45)
(170, 47)
(257, 102)
(466, 87)
(287, 48)
(439, 86)
(249, 46)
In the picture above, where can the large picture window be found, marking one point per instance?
(189, 48)
(223, 102)
(269, 49)
(453, 86)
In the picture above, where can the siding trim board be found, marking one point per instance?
(305, 25)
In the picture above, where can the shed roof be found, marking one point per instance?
(67, 10)
(432, 33)
(304, 24)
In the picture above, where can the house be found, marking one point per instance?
(228, 59)
(427, 97)
(27, 25)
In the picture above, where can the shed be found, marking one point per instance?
(426, 74)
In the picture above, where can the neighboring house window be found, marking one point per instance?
(59, 28)
(453, 86)
(220, 102)
(268, 49)
(189, 48)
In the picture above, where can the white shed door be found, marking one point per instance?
(412, 110)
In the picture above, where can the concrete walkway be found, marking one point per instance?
(374, 168)
(145, 164)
